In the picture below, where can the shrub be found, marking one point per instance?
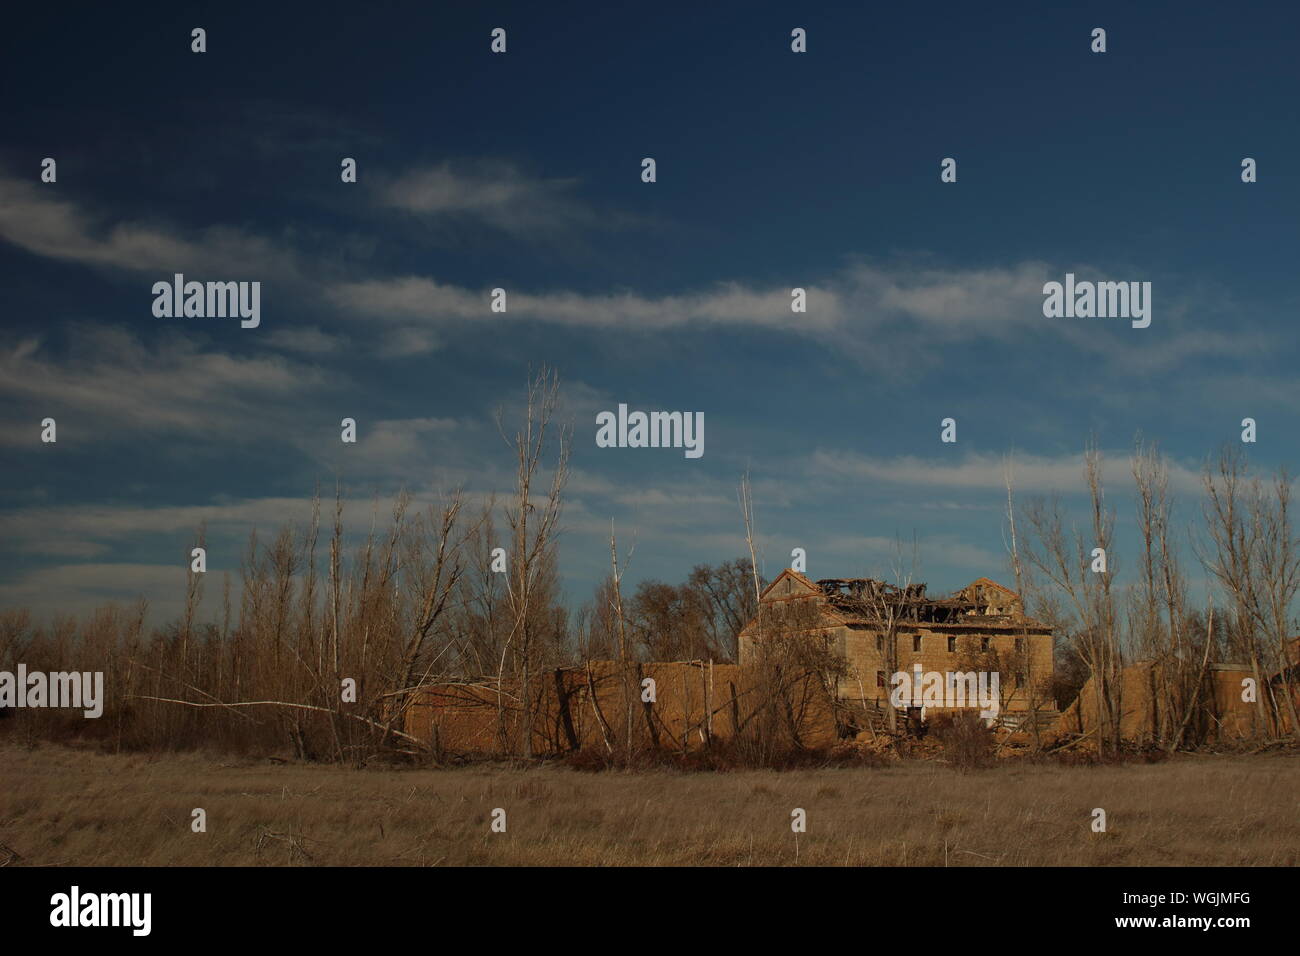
(967, 742)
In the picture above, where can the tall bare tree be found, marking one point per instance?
(747, 513)
(626, 677)
(1254, 557)
(534, 527)
(1018, 570)
(1067, 560)
(1159, 616)
(1279, 572)
(892, 606)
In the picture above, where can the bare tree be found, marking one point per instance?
(1230, 560)
(892, 606)
(1279, 572)
(193, 597)
(1158, 613)
(747, 512)
(1066, 560)
(533, 529)
(728, 604)
(794, 664)
(434, 561)
(1253, 557)
(624, 664)
(1017, 568)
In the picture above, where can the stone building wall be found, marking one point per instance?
(1001, 640)
(1011, 654)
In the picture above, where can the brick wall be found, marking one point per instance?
(585, 706)
(944, 651)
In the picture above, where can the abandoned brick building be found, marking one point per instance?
(823, 698)
(981, 627)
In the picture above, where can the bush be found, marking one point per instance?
(967, 742)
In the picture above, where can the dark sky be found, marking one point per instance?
(523, 171)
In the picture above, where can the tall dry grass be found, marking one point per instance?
(60, 806)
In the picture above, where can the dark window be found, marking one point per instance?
(984, 643)
(1020, 677)
(1020, 644)
(952, 645)
(916, 642)
(880, 678)
(880, 642)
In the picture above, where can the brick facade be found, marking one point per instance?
(981, 628)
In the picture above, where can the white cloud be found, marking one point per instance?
(79, 589)
(417, 297)
(869, 312)
(849, 311)
(497, 194)
(853, 555)
(33, 218)
(405, 446)
(110, 376)
(93, 530)
(986, 472)
(307, 340)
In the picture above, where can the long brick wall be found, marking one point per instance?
(587, 706)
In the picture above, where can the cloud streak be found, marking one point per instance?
(173, 385)
(496, 194)
(33, 219)
(986, 472)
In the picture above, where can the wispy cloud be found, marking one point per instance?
(867, 311)
(306, 340)
(494, 193)
(33, 218)
(851, 309)
(173, 384)
(80, 589)
(987, 472)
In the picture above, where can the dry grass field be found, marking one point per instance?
(66, 807)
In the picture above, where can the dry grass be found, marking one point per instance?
(66, 807)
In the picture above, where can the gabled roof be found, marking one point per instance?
(813, 591)
(790, 573)
(990, 583)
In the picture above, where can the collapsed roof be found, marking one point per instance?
(982, 602)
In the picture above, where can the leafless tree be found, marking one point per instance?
(1158, 616)
(892, 606)
(1253, 556)
(1017, 568)
(533, 529)
(794, 664)
(728, 604)
(1066, 560)
(747, 513)
(625, 673)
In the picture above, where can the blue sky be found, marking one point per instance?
(522, 171)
